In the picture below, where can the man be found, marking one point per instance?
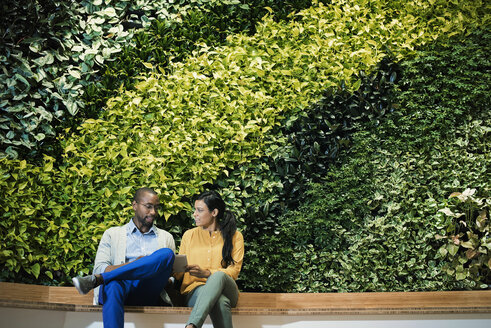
(133, 262)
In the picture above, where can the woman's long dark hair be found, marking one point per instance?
(226, 223)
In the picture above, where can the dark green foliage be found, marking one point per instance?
(314, 141)
(28, 109)
(318, 135)
(370, 225)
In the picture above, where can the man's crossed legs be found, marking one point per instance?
(137, 283)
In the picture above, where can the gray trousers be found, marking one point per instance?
(216, 298)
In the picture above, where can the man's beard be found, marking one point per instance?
(146, 223)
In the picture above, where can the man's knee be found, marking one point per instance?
(165, 252)
(166, 255)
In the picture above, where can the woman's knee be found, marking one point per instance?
(220, 278)
(227, 286)
(217, 276)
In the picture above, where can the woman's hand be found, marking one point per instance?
(196, 271)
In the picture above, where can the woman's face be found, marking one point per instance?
(203, 216)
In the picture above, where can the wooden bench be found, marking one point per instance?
(25, 296)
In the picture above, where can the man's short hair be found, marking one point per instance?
(139, 193)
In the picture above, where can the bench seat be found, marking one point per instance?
(16, 295)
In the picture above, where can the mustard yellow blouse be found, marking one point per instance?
(205, 249)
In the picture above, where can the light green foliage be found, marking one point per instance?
(214, 112)
(28, 220)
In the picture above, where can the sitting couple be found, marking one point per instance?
(134, 262)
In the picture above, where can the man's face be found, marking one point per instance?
(146, 210)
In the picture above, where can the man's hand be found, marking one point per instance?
(112, 267)
(196, 271)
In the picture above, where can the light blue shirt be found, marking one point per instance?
(140, 244)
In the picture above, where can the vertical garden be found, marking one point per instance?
(352, 138)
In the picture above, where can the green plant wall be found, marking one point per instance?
(178, 130)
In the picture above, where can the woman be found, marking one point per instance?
(214, 250)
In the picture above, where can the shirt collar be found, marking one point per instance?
(132, 228)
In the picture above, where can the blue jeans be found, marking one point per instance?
(137, 283)
(216, 298)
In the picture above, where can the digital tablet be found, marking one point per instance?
(180, 263)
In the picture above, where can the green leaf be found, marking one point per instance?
(357, 85)
(24, 81)
(74, 73)
(36, 269)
